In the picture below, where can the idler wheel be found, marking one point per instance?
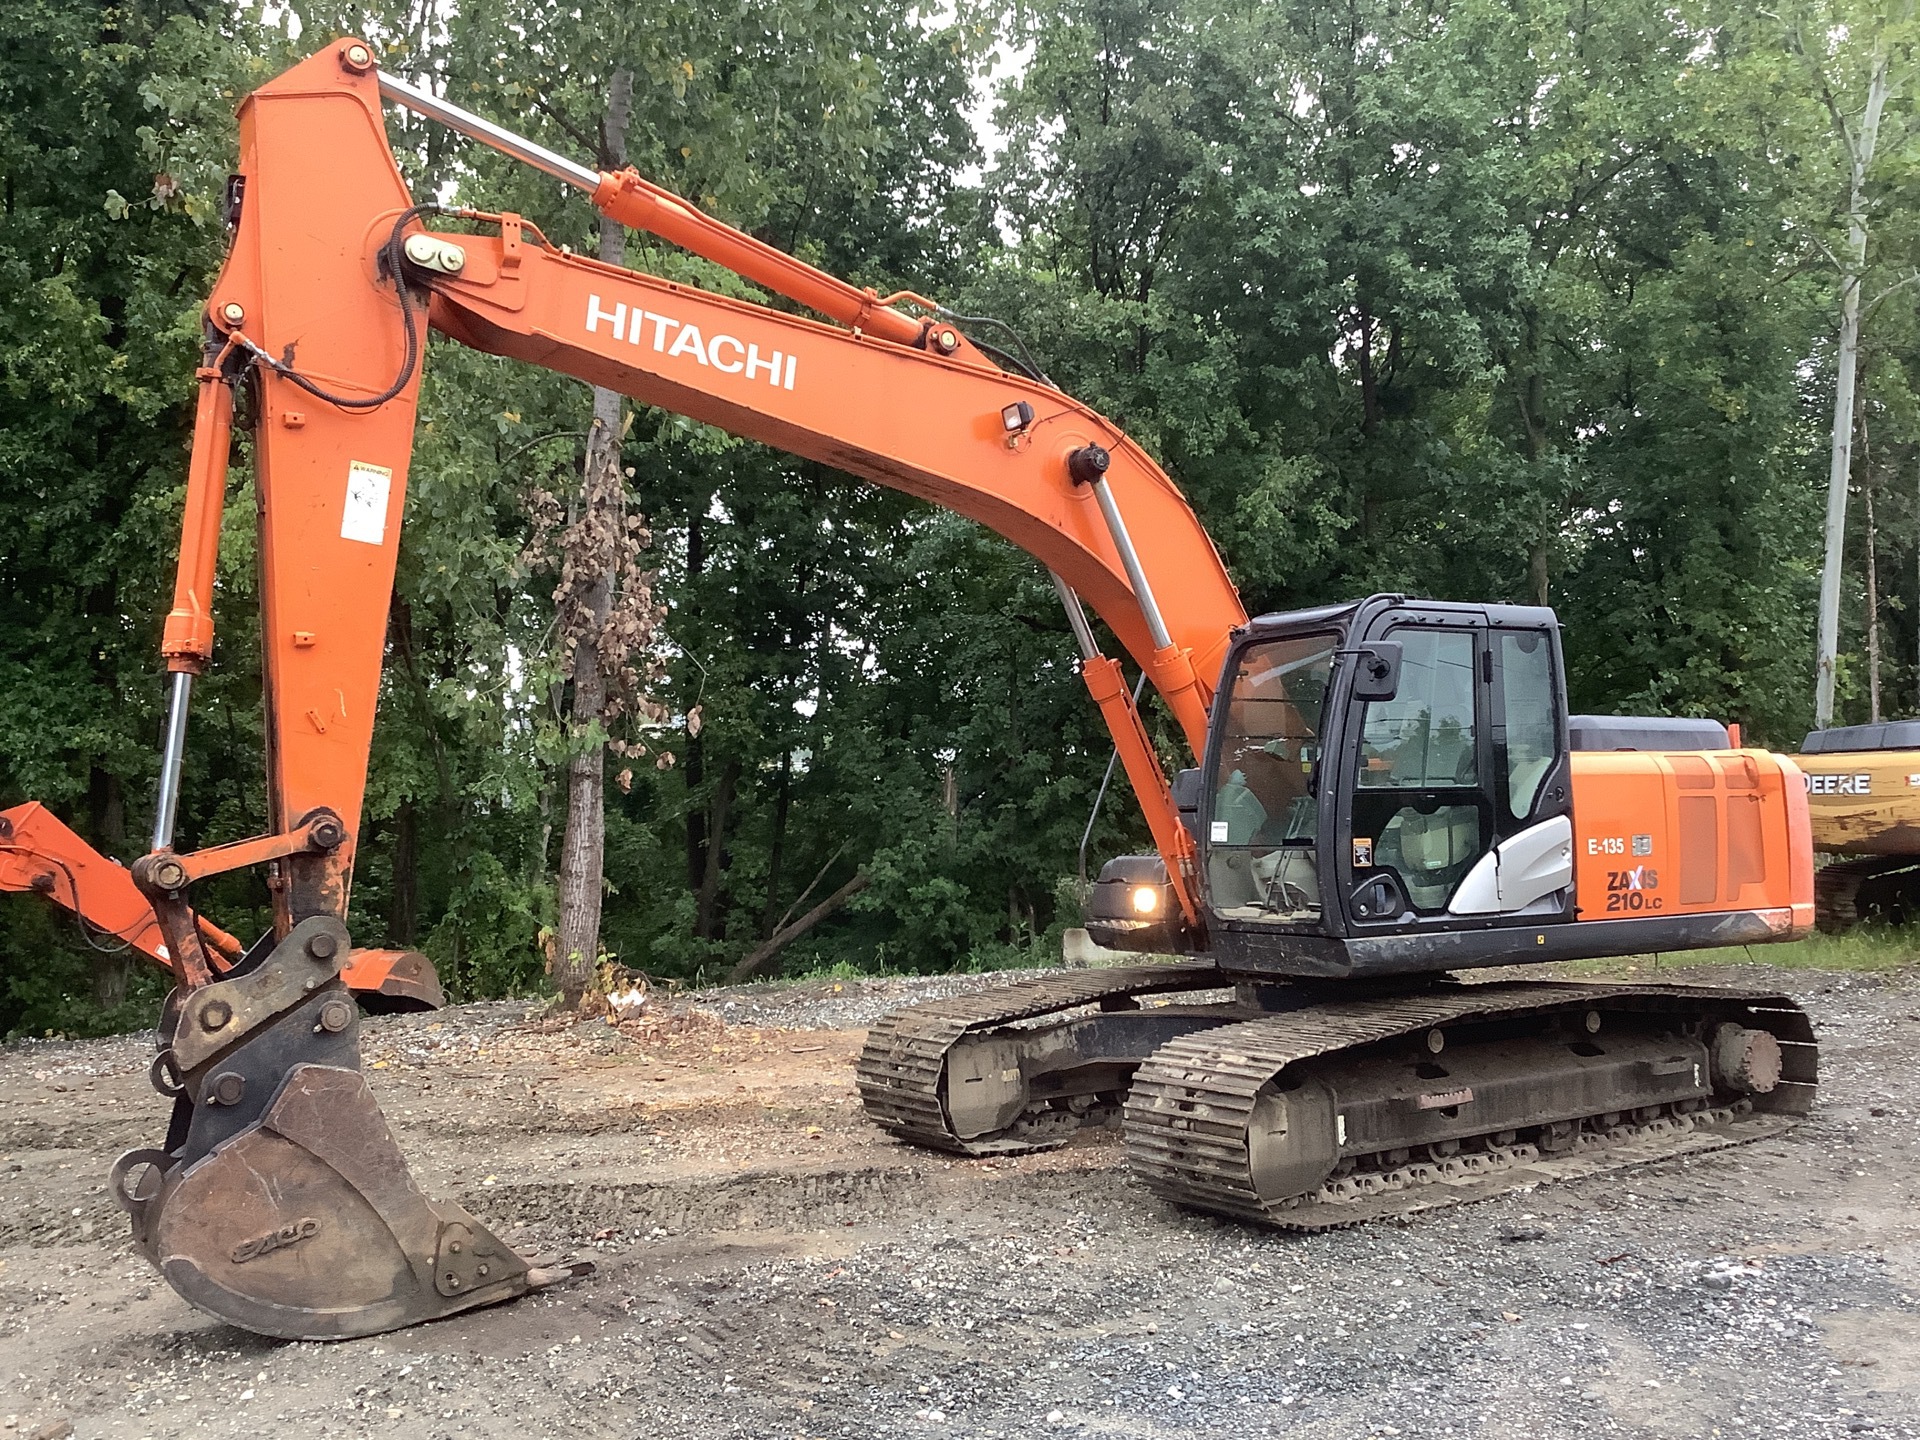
(1745, 1060)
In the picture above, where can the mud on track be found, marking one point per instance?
(769, 1266)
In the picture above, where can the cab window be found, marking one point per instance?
(1527, 693)
(1261, 861)
(1418, 804)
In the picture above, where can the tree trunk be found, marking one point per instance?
(694, 771)
(1369, 383)
(782, 803)
(403, 908)
(583, 845)
(1873, 615)
(1846, 358)
(761, 959)
(706, 924)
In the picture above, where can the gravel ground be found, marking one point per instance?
(771, 1267)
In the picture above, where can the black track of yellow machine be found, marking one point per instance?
(280, 1202)
(1344, 1112)
(1868, 888)
(964, 1074)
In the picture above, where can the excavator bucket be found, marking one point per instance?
(281, 1202)
(388, 982)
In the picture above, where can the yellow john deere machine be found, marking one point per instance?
(1863, 795)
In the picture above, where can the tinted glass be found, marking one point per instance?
(1261, 817)
(1527, 694)
(1424, 736)
(1416, 811)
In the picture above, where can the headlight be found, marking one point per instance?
(1146, 899)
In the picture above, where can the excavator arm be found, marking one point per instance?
(280, 1200)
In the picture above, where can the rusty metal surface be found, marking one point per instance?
(217, 1015)
(393, 981)
(282, 1202)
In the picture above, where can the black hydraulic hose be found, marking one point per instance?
(391, 255)
(88, 930)
(1023, 362)
(1099, 798)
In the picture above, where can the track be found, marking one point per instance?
(1848, 893)
(1190, 1108)
(902, 1067)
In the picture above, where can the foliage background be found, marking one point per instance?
(1492, 299)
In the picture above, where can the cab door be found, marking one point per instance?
(1420, 810)
(1457, 787)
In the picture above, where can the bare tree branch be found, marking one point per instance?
(786, 934)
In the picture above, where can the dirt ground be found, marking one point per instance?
(769, 1266)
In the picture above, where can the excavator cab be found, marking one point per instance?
(1389, 788)
(1381, 769)
(1375, 770)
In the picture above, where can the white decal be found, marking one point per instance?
(618, 316)
(1861, 784)
(725, 353)
(1220, 830)
(688, 342)
(771, 366)
(365, 517)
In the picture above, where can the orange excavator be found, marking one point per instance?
(41, 855)
(1385, 791)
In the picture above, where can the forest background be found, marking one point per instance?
(1493, 299)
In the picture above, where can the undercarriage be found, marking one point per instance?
(1882, 889)
(1308, 1106)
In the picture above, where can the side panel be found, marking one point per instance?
(1682, 834)
(1864, 802)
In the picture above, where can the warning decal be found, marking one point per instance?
(365, 517)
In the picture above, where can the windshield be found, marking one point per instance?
(1261, 824)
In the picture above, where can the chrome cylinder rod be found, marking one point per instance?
(426, 103)
(171, 757)
(1076, 616)
(1106, 783)
(1129, 557)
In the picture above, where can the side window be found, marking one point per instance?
(1423, 738)
(1419, 811)
(1527, 699)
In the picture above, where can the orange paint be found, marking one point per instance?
(321, 196)
(1691, 833)
(883, 395)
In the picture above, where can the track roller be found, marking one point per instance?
(1346, 1112)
